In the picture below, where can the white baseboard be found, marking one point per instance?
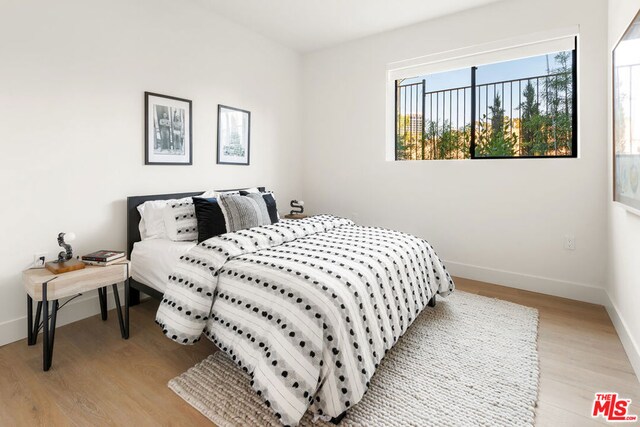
(630, 345)
(78, 309)
(527, 282)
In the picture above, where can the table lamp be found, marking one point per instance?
(65, 261)
(298, 207)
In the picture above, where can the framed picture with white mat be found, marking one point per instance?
(168, 130)
(234, 129)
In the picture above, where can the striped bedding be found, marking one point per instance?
(308, 308)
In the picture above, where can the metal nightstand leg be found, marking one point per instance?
(45, 331)
(124, 323)
(49, 328)
(102, 297)
(33, 328)
(52, 329)
(30, 320)
(126, 304)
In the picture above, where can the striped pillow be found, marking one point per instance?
(270, 200)
(242, 212)
(180, 220)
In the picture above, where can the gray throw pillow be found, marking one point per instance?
(242, 212)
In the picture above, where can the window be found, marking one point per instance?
(522, 108)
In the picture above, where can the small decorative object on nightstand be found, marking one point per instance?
(65, 261)
(297, 211)
(47, 289)
(298, 207)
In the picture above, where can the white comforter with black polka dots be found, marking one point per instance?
(308, 308)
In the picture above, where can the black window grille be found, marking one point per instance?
(531, 116)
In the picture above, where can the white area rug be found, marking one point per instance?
(470, 361)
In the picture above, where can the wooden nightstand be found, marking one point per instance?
(47, 288)
(296, 216)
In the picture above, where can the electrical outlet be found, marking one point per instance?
(570, 243)
(39, 259)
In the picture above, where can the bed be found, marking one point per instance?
(308, 308)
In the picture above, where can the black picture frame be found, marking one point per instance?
(225, 158)
(625, 59)
(169, 143)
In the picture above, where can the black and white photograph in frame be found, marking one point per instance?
(167, 130)
(234, 128)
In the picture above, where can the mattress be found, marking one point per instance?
(153, 260)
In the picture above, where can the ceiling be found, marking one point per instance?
(307, 25)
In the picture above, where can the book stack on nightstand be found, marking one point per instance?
(103, 258)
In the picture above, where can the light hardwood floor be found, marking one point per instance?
(99, 379)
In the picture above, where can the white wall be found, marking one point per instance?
(502, 221)
(624, 227)
(72, 77)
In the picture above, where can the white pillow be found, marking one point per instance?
(151, 213)
(141, 228)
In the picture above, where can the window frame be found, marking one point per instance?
(472, 141)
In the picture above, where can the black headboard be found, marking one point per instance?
(133, 216)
